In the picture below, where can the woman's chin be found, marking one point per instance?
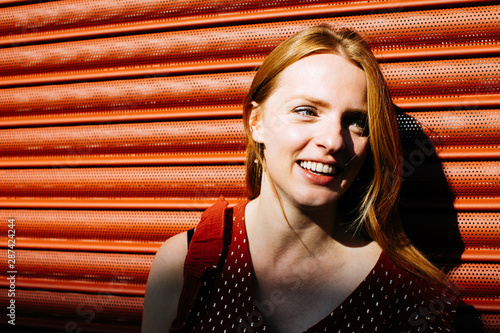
(316, 201)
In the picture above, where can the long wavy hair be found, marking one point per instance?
(376, 200)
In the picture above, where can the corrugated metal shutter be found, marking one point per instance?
(120, 122)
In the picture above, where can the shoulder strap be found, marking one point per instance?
(205, 250)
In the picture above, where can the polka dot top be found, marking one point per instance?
(389, 299)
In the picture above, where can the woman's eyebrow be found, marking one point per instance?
(313, 100)
(358, 112)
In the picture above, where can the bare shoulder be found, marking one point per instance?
(164, 285)
(172, 253)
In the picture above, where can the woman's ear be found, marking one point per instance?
(256, 123)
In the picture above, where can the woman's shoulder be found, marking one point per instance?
(169, 260)
(164, 284)
(167, 269)
(173, 251)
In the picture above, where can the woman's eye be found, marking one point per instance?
(360, 125)
(306, 111)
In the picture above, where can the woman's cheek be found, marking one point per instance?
(276, 124)
(362, 146)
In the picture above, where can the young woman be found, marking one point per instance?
(319, 247)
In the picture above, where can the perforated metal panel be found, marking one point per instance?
(158, 182)
(75, 14)
(452, 132)
(476, 280)
(429, 79)
(120, 121)
(491, 322)
(102, 308)
(448, 78)
(480, 230)
(185, 91)
(144, 227)
(215, 136)
(239, 43)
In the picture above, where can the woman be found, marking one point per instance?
(319, 248)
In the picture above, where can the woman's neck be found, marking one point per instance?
(298, 231)
(315, 232)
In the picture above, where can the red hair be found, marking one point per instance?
(377, 209)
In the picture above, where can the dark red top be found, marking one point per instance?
(389, 299)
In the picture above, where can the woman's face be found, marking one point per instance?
(313, 130)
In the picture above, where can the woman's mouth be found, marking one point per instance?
(319, 168)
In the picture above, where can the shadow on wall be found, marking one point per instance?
(426, 208)
(426, 201)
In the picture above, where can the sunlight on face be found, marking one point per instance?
(314, 129)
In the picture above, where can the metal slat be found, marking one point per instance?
(473, 82)
(127, 227)
(120, 269)
(86, 161)
(101, 308)
(179, 203)
(93, 245)
(230, 65)
(202, 137)
(244, 47)
(123, 117)
(464, 180)
(197, 182)
(448, 134)
(62, 23)
(144, 231)
(466, 185)
(459, 134)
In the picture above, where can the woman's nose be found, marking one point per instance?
(330, 136)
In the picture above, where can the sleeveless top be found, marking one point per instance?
(389, 299)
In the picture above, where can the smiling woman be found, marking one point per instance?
(319, 246)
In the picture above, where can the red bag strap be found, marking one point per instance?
(204, 253)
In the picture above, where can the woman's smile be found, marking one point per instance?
(319, 168)
(316, 177)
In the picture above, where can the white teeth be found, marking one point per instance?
(318, 167)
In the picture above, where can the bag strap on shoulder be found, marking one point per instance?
(204, 253)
